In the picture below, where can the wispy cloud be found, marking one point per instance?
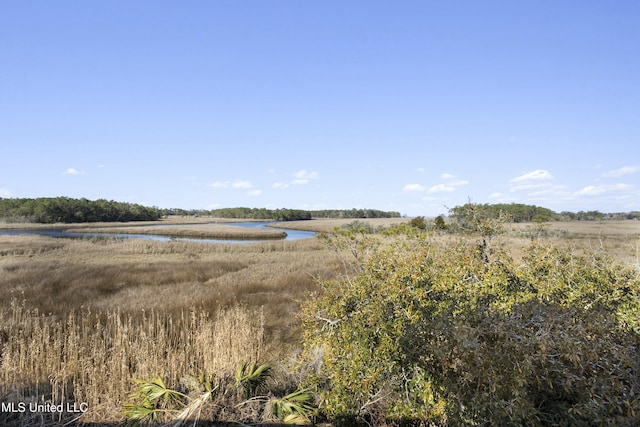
(220, 184)
(536, 175)
(72, 172)
(625, 170)
(530, 186)
(537, 184)
(237, 184)
(447, 187)
(414, 187)
(598, 190)
(303, 177)
(254, 193)
(241, 184)
(5, 193)
(441, 188)
(300, 177)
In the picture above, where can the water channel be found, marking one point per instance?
(64, 233)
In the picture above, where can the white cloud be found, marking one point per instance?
(254, 193)
(448, 187)
(303, 177)
(5, 193)
(625, 170)
(220, 184)
(536, 175)
(413, 187)
(303, 174)
(241, 184)
(73, 172)
(597, 190)
(441, 188)
(237, 184)
(528, 187)
(421, 170)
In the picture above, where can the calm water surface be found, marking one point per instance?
(63, 233)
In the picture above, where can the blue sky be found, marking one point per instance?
(410, 106)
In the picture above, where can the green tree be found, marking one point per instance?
(418, 222)
(435, 333)
(439, 223)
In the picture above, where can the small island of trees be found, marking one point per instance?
(49, 210)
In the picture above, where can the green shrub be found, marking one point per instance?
(448, 334)
(418, 222)
(439, 223)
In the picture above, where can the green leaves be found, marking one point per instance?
(150, 399)
(295, 408)
(445, 332)
(252, 377)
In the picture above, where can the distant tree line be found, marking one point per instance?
(261, 213)
(354, 213)
(284, 214)
(518, 212)
(50, 210)
(596, 215)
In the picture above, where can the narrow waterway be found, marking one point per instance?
(65, 233)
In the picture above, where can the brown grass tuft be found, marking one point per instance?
(93, 358)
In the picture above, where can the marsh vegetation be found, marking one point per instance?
(81, 320)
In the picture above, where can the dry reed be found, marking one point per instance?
(92, 358)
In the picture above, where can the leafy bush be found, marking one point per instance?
(251, 377)
(418, 222)
(439, 223)
(448, 334)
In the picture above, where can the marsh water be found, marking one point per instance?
(64, 233)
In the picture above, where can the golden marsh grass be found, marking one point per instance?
(92, 358)
(81, 319)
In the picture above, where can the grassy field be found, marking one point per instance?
(327, 224)
(80, 319)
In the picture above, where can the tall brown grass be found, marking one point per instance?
(93, 358)
(81, 319)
